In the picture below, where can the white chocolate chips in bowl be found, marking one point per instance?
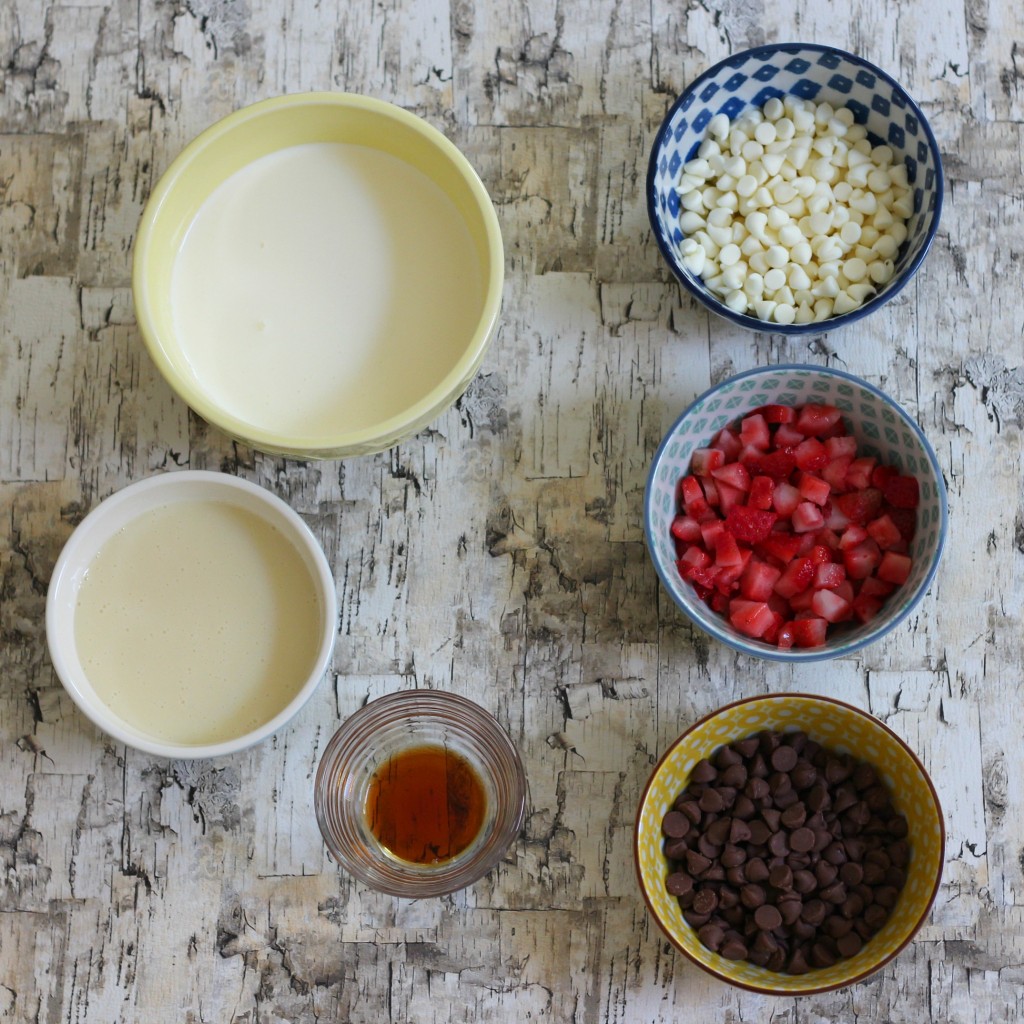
(790, 215)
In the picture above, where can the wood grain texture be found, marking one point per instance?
(500, 553)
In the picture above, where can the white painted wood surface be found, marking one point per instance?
(499, 553)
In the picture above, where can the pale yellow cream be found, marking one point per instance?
(197, 622)
(323, 288)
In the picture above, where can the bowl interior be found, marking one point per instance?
(112, 516)
(388, 386)
(834, 725)
(882, 429)
(814, 73)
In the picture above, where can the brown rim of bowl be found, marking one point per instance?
(760, 988)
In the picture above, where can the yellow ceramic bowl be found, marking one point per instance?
(843, 728)
(370, 414)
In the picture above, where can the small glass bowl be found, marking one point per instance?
(404, 721)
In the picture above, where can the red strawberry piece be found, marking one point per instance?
(905, 520)
(828, 576)
(862, 560)
(719, 602)
(710, 488)
(727, 551)
(694, 557)
(840, 447)
(860, 506)
(866, 607)
(881, 475)
(797, 576)
(761, 489)
(813, 488)
(751, 618)
(734, 474)
(785, 499)
(807, 516)
(845, 591)
(872, 586)
(711, 530)
(758, 579)
(820, 555)
(817, 420)
(811, 454)
(777, 464)
(836, 472)
(852, 536)
(884, 532)
(809, 632)
(858, 476)
(778, 413)
(685, 528)
(749, 525)
(728, 442)
(754, 431)
(702, 577)
(728, 496)
(771, 634)
(704, 460)
(894, 568)
(787, 436)
(780, 546)
(785, 638)
(830, 606)
(801, 602)
(902, 491)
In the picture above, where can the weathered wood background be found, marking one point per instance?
(499, 553)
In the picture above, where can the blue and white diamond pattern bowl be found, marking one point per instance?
(882, 429)
(818, 74)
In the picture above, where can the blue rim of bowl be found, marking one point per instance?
(821, 326)
(771, 698)
(795, 655)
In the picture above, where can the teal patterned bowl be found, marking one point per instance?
(882, 429)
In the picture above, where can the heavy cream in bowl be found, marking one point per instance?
(319, 275)
(191, 614)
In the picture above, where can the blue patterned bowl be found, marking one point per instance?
(882, 429)
(811, 72)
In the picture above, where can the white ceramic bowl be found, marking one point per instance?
(125, 508)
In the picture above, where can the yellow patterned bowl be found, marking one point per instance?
(843, 728)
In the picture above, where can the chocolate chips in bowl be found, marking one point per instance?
(785, 853)
(789, 844)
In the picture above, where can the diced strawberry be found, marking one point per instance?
(719, 602)
(807, 516)
(761, 488)
(828, 538)
(858, 476)
(817, 420)
(830, 606)
(845, 591)
(787, 436)
(811, 454)
(771, 634)
(711, 530)
(758, 579)
(749, 525)
(785, 639)
(835, 473)
(894, 568)
(836, 519)
(728, 442)
(828, 576)
(902, 492)
(905, 520)
(780, 546)
(754, 431)
(685, 528)
(751, 618)
(710, 488)
(872, 586)
(840, 447)
(838, 429)
(881, 475)
(777, 464)
(734, 474)
(860, 506)
(862, 560)
(884, 532)
(866, 607)
(704, 460)
(727, 551)
(801, 602)
(778, 413)
(820, 555)
(813, 488)
(693, 499)
(705, 578)
(785, 498)
(795, 577)
(694, 557)
(728, 496)
(809, 632)
(852, 536)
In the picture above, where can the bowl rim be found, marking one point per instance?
(144, 492)
(375, 437)
(714, 304)
(810, 654)
(773, 698)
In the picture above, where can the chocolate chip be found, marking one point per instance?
(694, 919)
(784, 758)
(675, 825)
(747, 747)
(678, 882)
(804, 775)
(767, 917)
(711, 801)
(675, 849)
(790, 911)
(759, 833)
(697, 863)
(711, 935)
(704, 771)
(794, 815)
(757, 870)
(802, 839)
(733, 855)
(718, 831)
(705, 902)
(851, 873)
(752, 896)
(756, 789)
(804, 882)
(781, 877)
(734, 949)
(691, 809)
(726, 757)
(849, 944)
(734, 775)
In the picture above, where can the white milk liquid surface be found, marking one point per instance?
(324, 288)
(197, 622)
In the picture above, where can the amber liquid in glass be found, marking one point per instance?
(425, 804)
